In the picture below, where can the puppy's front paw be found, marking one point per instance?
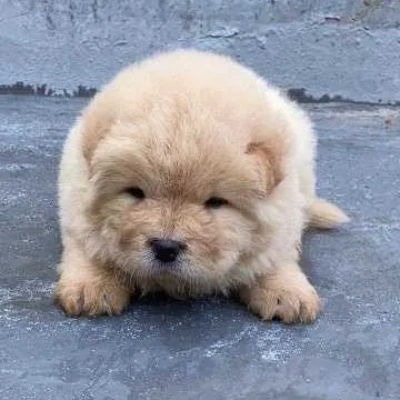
(91, 298)
(289, 306)
(291, 300)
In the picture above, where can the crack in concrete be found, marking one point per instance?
(297, 94)
(21, 88)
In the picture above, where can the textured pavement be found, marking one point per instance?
(211, 349)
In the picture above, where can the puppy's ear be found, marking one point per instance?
(96, 122)
(270, 157)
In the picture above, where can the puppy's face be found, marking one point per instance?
(182, 203)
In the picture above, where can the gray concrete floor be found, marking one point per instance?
(211, 349)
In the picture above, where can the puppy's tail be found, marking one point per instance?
(325, 215)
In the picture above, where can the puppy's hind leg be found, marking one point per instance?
(284, 293)
(320, 214)
(86, 289)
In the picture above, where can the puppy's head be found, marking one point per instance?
(178, 205)
(176, 189)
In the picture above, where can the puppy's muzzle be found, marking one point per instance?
(166, 251)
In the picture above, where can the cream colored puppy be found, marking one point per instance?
(190, 174)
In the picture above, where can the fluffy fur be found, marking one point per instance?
(185, 127)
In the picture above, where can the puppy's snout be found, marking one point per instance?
(166, 250)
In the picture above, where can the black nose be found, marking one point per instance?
(166, 250)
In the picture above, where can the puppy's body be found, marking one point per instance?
(194, 151)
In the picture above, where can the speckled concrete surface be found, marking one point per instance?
(211, 349)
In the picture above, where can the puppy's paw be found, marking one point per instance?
(91, 298)
(288, 306)
(288, 300)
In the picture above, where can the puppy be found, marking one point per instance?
(189, 174)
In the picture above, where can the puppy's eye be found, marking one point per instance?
(216, 202)
(136, 192)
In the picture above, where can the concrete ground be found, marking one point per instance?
(211, 349)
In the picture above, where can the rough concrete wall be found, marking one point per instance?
(349, 48)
